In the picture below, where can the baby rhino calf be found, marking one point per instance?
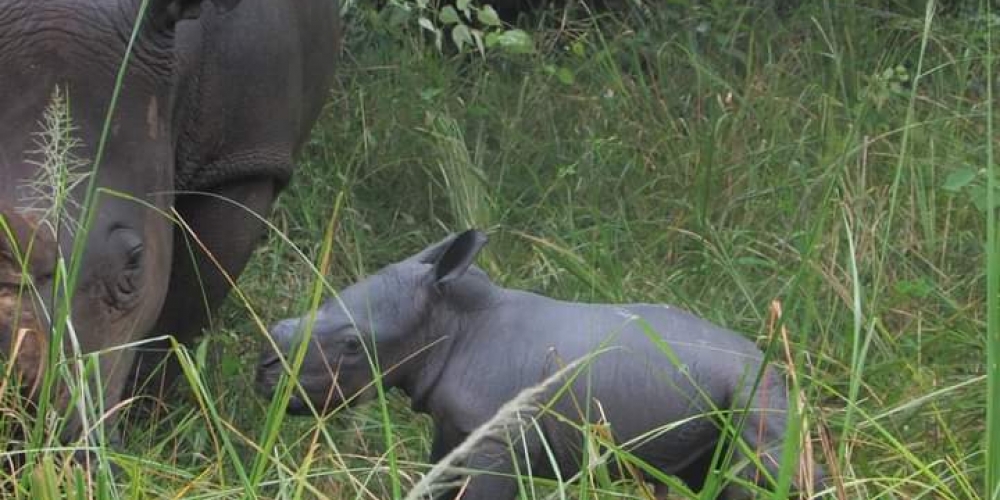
(661, 380)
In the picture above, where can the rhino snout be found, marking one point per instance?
(283, 332)
(283, 335)
(269, 366)
(297, 406)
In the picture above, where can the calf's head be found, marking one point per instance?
(386, 321)
(59, 63)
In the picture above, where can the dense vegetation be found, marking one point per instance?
(816, 176)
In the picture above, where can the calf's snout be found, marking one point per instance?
(269, 365)
(283, 332)
(270, 368)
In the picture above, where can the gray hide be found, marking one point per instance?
(217, 98)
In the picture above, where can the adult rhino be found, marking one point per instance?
(216, 98)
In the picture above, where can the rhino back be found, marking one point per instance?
(251, 84)
(631, 382)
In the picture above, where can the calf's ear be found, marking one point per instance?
(457, 255)
(432, 253)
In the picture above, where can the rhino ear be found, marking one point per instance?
(172, 11)
(432, 253)
(458, 255)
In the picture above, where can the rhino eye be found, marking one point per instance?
(128, 281)
(352, 345)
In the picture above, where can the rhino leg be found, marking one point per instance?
(494, 468)
(763, 433)
(490, 466)
(225, 236)
(446, 438)
(695, 474)
(661, 491)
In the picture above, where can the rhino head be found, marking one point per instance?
(59, 67)
(386, 323)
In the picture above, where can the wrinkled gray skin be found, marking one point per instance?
(460, 346)
(218, 97)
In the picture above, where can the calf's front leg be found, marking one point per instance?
(492, 472)
(489, 470)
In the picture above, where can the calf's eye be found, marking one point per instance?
(352, 345)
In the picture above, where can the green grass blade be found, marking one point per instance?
(992, 288)
(276, 409)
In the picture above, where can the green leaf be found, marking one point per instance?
(201, 353)
(958, 179)
(398, 17)
(448, 15)
(565, 76)
(978, 196)
(438, 40)
(488, 16)
(477, 36)
(427, 24)
(492, 39)
(461, 36)
(917, 288)
(231, 366)
(515, 41)
(428, 94)
(463, 5)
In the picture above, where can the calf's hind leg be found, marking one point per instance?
(695, 474)
(764, 432)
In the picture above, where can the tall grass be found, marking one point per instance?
(992, 288)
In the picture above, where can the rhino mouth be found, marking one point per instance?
(26, 257)
(324, 400)
(24, 355)
(24, 344)
(318, 387)
(300, 406)
(297, 406)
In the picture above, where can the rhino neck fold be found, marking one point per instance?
(444, 329)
